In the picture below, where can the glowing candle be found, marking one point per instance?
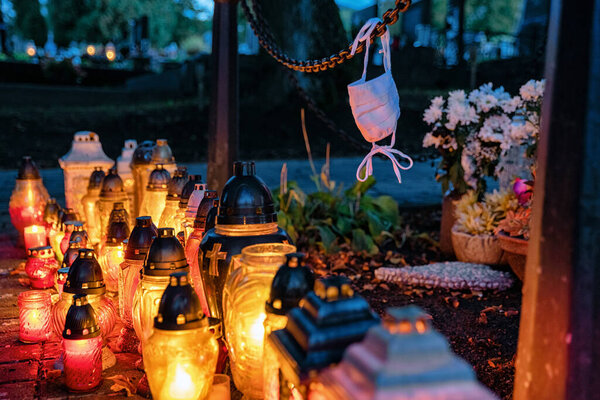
(41, 267)
(112, 192)
(112, 255)
(82, 346)
(155, 196)
(34, 316)
(35, 236)
(88, 203)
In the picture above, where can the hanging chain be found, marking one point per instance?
(265, 38)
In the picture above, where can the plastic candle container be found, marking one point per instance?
(41, 267)
(174, 190)
(156, 193)
(34, 316)
(245, 314)
(82, 347)
(88, 204)
(181, 355)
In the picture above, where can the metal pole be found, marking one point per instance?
(223, 124)
(559, 339)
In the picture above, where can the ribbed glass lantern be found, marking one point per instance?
(28, 198)
(402, 358)
(165, 256)
(246, 216)
(181, 355)
(317, 333)
(34, 316)
(112, 192)
(174, 190)
(248, 288)
(88, 204)
(112, 254)
(156, 193)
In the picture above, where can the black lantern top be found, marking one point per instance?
(246, 199)
(28, 169)
(177, 182)
(79, 234)
(208, 202)
(52, 212)
(140, 238)
(142, 153)
(112, 184)
(96, 178)
(159, 179)
(317, 333)
(161, 153)
(69, 214)
(291, 283)
(188, 189)
(71, 254)
(118, 230)
(80, 322)
(166, 255)
(85, 275)
(180, 307)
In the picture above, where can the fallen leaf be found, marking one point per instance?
(122, 383)
(384, 286)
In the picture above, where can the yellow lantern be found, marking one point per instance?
(174, 190)
(112, 192)
(181, 355)
(124, 167)
(88, 203)
(85, 154)
(156, 193)
(112, 254)
(165, 256)
(141, 167)
(248, 289)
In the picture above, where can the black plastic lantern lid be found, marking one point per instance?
(40, 252)
(159, 179)
(188, 189)
(211, 218)
(28, 169)
(80, 322)
(177, 182)
(166, 255)
(52, 212)
(96, 178)
(71, 254)
(118, 231)
(140, 238)
(246, 199)
(291, 283)
(142, 153)
(207, 203)
(111, 184)
(180, 307)
(161, 153)
(85, 275)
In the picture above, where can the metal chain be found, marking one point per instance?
(265, 38)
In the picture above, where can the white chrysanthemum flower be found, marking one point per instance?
(431, 140)
(510, 105)
(486, 102)
(532, 90)
(457, 96)
(432, 115)
(468, 167)
(437, 102)
(494, 128)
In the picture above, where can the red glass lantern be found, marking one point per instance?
(82, 346)
(34, 316)
(28, 198)
(41, 267)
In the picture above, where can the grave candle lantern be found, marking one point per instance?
(317, 333)
(192, 207)
(246, 216)
(291, 283)
(56, 235)
(34, 316)
(156, 193)
(124, 167)
(85, 154)
(165, 256)
(85, 277)
(28, 198)
(41, 267)
(141, 167)
(71, 254)
(162, 154)
(403, 358)
(174, 189)
(52, 216)
(61, 278)
(82, 346)
(248, 289)
(74, 233)
(181, 355)
(88, 204)
(186, 192)
(112, 192)
(112, 254)
(34, 236)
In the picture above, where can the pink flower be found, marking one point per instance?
(524, 190)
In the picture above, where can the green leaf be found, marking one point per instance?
(362, 242)
(376, 225)
(344, 225)
(388, 208)
(327, 238)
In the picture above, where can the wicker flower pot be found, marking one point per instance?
(480, 249)
(516, 253)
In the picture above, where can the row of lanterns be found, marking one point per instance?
(217, 278)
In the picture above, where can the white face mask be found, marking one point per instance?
(376, 106)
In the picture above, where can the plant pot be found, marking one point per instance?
(448, 219)
(516, 253)
(480, 249)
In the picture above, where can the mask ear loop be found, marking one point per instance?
(364, 35)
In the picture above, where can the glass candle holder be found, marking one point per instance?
(88, 204)
(41, 267)
(112, 254)
(245, 314)
(174, 190)
(156, 193)
(34, 316)
(112, 192)
(69, 227)
(82, 347)
(192, 207)
(34, 236)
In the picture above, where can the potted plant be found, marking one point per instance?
(473, 236)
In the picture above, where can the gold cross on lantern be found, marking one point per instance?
(214, 256)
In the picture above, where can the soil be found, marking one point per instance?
(482, 328)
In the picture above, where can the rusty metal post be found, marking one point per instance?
(559, 340)
(223, 123)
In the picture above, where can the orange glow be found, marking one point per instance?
(90, 50)
(110, 55)
(31, 51)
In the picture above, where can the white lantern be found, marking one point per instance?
(124, 167)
